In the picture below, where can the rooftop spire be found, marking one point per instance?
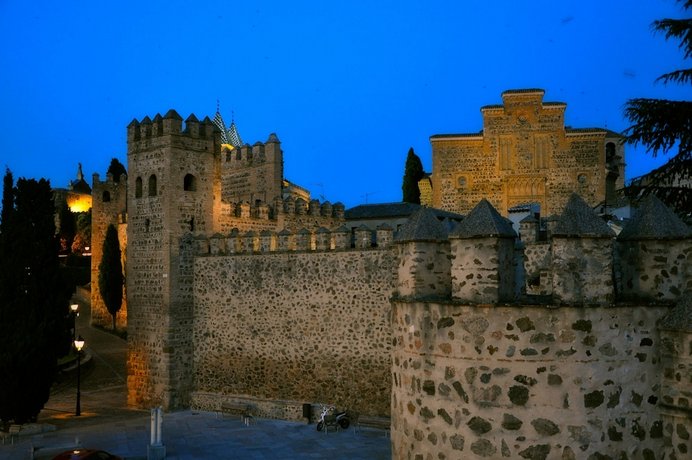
(218, 121)
(229, 136)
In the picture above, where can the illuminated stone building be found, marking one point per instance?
(238, 295)
(77, 195)
(525, 153)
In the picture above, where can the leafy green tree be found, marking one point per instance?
(116, 168)
(412, 174)
(662, 125)
(111, 273)
(34, 325)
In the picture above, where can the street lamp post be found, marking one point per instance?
(74, 308)
(79, 344)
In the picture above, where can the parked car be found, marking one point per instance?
(86, 454)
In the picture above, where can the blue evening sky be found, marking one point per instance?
(347, 86)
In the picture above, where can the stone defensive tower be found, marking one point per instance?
(109, 207)
(171, 191)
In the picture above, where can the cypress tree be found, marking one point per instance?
(111, 273)
(7, 199)
(116, 168)
(34, 325)
(413, 172)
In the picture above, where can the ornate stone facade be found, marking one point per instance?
(525, 153)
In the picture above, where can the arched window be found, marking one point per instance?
(152, 185)
(189, 183)
(610, 152)
(138, 188)
(106, 196)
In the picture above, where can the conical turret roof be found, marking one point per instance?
(484, 220)
(654, 220)
(578, 219)
(219, 123)
(233, 136)
(422, 226)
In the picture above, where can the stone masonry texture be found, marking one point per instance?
(494, 382)
(302, 327)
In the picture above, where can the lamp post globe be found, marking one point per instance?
(79, 344)
(74, 308)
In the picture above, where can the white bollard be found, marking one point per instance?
(156, 450)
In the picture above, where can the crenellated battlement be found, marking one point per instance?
(290, 213)
(248, 155)
(171, 124)
(582, 263)
(109, 198)
(303, 240)
(477, 362)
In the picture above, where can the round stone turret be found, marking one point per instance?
(423, 250)
(655, 256)
(482, 251)
(582, 257)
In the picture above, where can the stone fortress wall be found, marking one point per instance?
(478, 374)
(286, 319)
(275, 303)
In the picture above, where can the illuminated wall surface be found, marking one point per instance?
(78, 202)
(525, 154)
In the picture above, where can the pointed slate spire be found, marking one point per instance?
(233, 136)
(654, 220)
(422, 226)
(578, 219)
(484, 220)
(219, 123)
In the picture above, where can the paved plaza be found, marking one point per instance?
(202, 435)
